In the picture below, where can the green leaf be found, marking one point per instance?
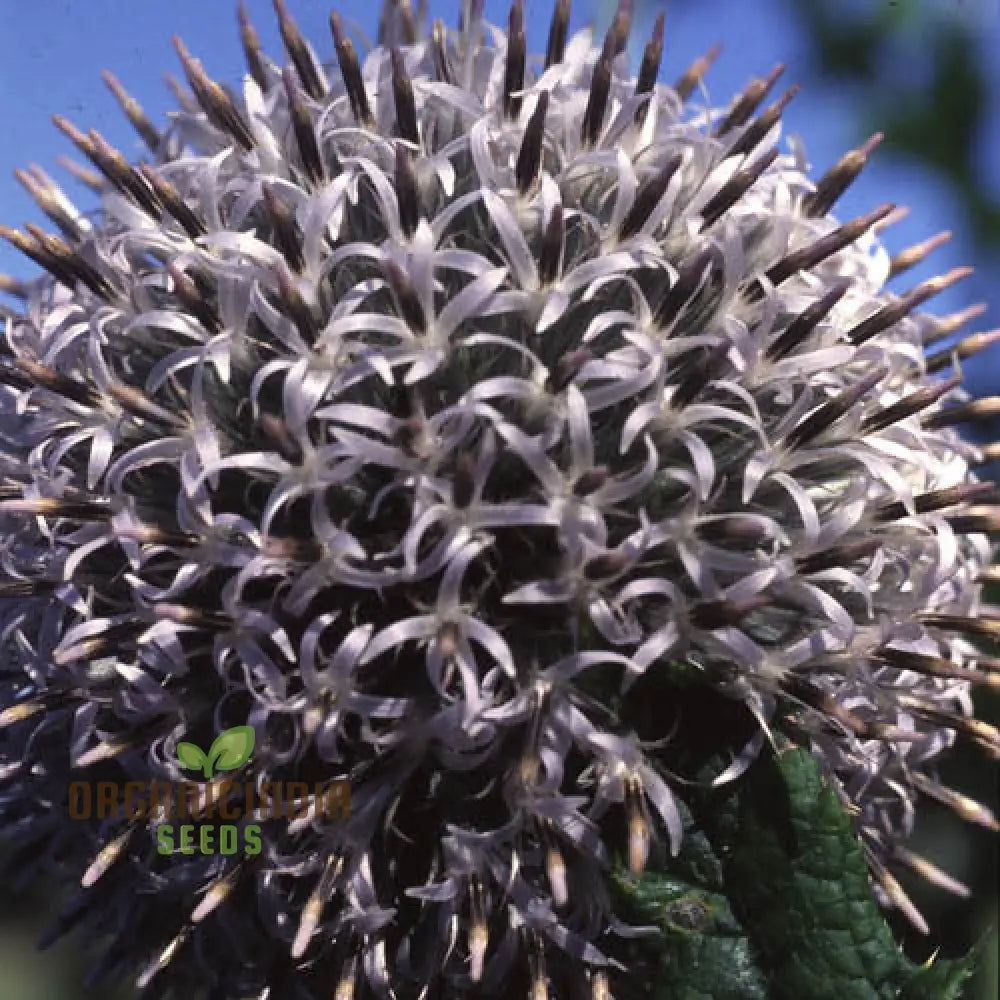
(190, 756)
(232, 748)
(704, 954)
(770, 900)
(940, 980)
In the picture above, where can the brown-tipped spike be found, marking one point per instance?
(89, 178)
(988, 453)
(133, 111)
(898, 897)
(463, 490)
(591, 480)
(649, 69)
(621, 25)
(990, 664)
(9, 285)
(970, 810)
(929, 872)
(74, 135)
(31, 248)
(639, 833)
(608, 564)
(402, 91)
(558, 32)
(842, 554)
(807, 321)
(74, 510)
(136, 402)
(909, 405)
(597, 102)
(984, 626)
(551, 253)
(945, 326)
(695, 73)
(567, 368)
(711, 615)
(280, 435)
(529, 157)
(74, 264)
(748, 101)
(986, 408)
(25, 588)
(755, 132)
(442, 64)
(897, 215)
(51, 200)
(105, 858)
(55, 381)
(169, 197)
(513, 77)
(213, 99)
(733, 529)
(407, 192)
(826, 246)
(166, 956)
(19, 712)
(932, 666)
(704, 371)
(397, 25)
(839, 178)
(415, 21)
(350, 70)
(190, 296)
(59, 259)
(252, 51)
(385, 22)
(734, 189)
(916, 254)
(892, 313)
(964, 349)
(991, 575)
(302, 125)
(121, 173)
(295, 306)
(933, 500)
(648, 197)
(411, 310)
(216, 894)
(286, 236)
(831, 711)
(976, 521)
(690, 278)
(181, 96)
(298, 50)
(824, 416)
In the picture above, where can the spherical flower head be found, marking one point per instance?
(414, 411)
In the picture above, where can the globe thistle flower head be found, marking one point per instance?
(395, 405)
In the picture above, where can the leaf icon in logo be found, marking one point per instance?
(191, 756)
(231, 748)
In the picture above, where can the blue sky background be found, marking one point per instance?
(52, 52)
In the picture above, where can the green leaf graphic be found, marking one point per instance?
(190, 756)
(231, 749)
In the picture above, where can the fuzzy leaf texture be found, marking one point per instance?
(775, 904)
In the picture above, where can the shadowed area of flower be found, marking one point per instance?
(421, 412)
